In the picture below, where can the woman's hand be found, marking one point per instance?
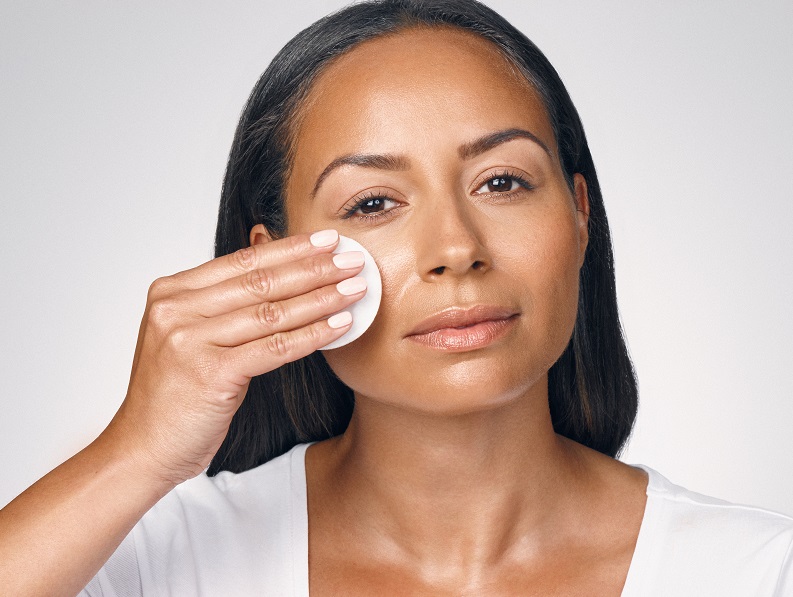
(204, 334)
(207, 331)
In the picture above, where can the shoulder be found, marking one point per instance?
(233, 494)
(685, 510)
(226, 501)
(228, 534)
(700, 542)
(231, 508)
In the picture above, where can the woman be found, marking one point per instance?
(465, 443)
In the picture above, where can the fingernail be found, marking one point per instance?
(340, 319)
(324, 238)
(351, 286)
(348, 260)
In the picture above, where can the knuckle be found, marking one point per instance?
(158, 289)
(269, 315)
(244, 258)
(296, 245)
(279, 345)
(326, 300)
(317, 268)
(315, 335)
(258, 282)
(162, 314)
(178, 338)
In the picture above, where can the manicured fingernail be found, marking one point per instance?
(351, 286)
(340, 319)
(324, 238)
(348, 260)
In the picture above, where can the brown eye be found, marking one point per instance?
(501, 184)
(371, 208)
(372, 205)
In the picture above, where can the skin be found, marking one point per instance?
(205, 333)
(449, 479)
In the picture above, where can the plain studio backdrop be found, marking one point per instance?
(115, 127)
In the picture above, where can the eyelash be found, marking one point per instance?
(372, 196)
(511, 174)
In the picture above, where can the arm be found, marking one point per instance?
(205, 333)
(60, 531)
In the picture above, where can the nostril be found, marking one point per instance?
(477, 265)
(439, 270)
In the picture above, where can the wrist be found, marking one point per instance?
(132, 464)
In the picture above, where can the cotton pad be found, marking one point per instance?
(364, 310)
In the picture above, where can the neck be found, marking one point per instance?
(452, 493)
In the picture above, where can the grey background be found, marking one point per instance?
(117, 118)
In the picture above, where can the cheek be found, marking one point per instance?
(359, 363)
(541, 245)
(542, 255)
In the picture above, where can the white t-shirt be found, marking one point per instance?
(247, 534)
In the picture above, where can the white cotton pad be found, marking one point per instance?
(364, 310)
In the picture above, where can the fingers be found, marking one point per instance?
(270, 285)
(256, 321)
(207, 331)
(270, 352)
(261, 256)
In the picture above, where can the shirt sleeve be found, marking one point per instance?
(120, 576)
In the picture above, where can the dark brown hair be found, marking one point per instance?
(591, 388)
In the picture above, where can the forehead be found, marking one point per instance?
(421, 91)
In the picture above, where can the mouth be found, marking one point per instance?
(461, 329)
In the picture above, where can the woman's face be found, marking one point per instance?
(451, 161)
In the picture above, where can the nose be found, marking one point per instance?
(451, 243)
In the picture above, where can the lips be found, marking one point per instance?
(458, 317)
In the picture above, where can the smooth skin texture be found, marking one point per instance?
(205, 333)
(450, 479)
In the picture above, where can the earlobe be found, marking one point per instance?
(582, 212)
(260, 235)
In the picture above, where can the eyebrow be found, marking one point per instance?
(491, 140)
(400, 163)
(366, 160)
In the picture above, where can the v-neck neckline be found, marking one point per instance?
(298, 516)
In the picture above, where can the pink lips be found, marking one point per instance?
(457, 329)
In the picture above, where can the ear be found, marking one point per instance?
(582, 213)
(260, 235)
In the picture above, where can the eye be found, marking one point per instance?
(370, 207)
(503, 183)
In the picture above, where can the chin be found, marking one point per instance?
(454, 402)
(463, 386)
(461, 404)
